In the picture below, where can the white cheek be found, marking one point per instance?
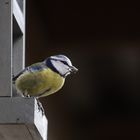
(62, 68)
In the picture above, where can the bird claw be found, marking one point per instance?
(40, 107)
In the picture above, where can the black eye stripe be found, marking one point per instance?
(64, 62)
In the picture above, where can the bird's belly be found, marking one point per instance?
(39, 83)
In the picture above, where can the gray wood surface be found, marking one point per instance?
(5, 47)
(21, 116)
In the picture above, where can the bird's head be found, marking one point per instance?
(60, 64)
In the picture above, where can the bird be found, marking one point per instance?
(44, 78)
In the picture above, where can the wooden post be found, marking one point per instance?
(20, 117)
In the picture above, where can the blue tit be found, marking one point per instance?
(44, 78)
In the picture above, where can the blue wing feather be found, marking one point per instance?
(36, 67)
(33, 68)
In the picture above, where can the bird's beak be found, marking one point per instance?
(73, 69)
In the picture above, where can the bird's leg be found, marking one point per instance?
(25, 94)
(40, 107)
(28, 96)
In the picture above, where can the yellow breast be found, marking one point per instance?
(39, 83)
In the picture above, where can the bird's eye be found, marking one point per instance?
(64, 62)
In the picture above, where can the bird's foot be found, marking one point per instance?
(40, 107)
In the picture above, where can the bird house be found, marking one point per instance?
(19, 116)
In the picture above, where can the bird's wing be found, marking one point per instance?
(37, 67)
(33, 68)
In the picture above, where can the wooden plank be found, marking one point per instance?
(5, 47)
(19, 110)
(19, 15)
(15, 132)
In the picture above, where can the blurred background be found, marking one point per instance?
(101, 101)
